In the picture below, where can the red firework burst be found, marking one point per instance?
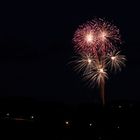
(96, 36)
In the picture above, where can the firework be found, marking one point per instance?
(96, 74)
(96, 42)
(96, 36)
(84, 63)
(85, 38)
(115, 61)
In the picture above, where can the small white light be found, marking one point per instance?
(113, 57)
(89, 61)
(32, 117)
(118, 127)
(66, 122)
(90, 124)
(101, 70)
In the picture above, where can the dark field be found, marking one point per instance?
(56, 120)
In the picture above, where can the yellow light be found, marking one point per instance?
(113, 57)
(101, 70)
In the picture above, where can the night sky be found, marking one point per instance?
(36, 47)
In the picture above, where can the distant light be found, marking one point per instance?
(66, 122)
(120, 106)
(118, 127)
(100, 138)
(32, 117)
(8, 114)
(90, 124)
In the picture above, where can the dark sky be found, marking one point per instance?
(36, 47)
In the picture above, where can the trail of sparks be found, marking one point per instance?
(115, 61)
(92, 69)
